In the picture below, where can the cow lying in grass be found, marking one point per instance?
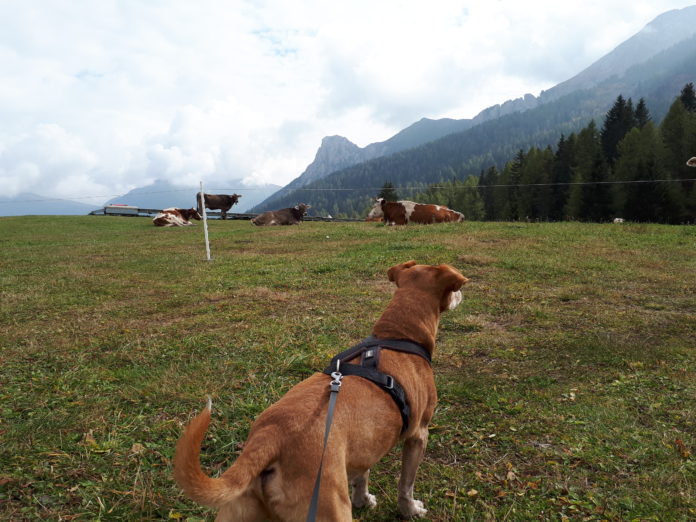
(284, 216)
(175, 217)
(403, 212)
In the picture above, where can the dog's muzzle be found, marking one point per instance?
(455, 299)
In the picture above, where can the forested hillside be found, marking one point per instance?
(493, 143)
(629, 168)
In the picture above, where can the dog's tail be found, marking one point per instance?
(215, 492)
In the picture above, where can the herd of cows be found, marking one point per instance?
(391, 212)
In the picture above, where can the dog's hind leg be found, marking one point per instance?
(245, 509)
(292, 497)
(361, 496)
(414, 449)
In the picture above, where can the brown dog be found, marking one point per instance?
(274, 475)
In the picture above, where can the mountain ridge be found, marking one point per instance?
(657, 78)
(31, 204)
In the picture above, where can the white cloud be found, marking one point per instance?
(101, 97)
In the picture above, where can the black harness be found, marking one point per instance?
(369, 351)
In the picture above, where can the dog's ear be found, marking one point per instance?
(453, 279)
(393, 272)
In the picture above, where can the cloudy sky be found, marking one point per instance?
(98, 97)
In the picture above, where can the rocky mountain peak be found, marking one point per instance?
(335, 153)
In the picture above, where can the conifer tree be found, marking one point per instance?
(688, 97)
(561, 176)
(500, 194)
(388, 192)
(642, 113)
(512, 177)
(487, 189)
(469, 200)
(641, 159)
(534, 192)
(589, 198)
(678, 131)
(618, 121)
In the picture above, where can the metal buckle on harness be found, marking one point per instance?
(390, 383)
(336, 376)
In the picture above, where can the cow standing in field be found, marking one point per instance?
(692, 162)
(285, 216)
(175, 217)
(403, 212)
(221, 202)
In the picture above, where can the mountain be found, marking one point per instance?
(28, 204)
(163, 194)
(664, 32)
(337, 152)
(653, 64)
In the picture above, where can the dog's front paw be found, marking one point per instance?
(410, 508)
(368, 500)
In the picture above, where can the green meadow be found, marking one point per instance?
(566, 378)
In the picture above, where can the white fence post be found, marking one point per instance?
(205, 223)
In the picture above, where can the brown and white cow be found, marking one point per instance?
(221, 202)
(403, 212)
(284, 216)
(692, 162)
(176, 217)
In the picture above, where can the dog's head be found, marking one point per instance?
(442, 280)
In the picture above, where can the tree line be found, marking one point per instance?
(631, 168)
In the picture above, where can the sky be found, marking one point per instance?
(98, 97)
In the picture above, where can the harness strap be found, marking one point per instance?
(398, 345)
(388, 383)
(369, 350)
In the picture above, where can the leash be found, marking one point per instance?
(335, 387)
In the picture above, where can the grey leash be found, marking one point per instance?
(335, 386)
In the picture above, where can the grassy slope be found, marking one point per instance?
(567, 377)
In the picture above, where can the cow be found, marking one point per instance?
(284, 216)
(692, 162)
(175, 217)
(221, 202)
(403, 212)
(618, 220)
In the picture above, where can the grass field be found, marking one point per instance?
(567, 377)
